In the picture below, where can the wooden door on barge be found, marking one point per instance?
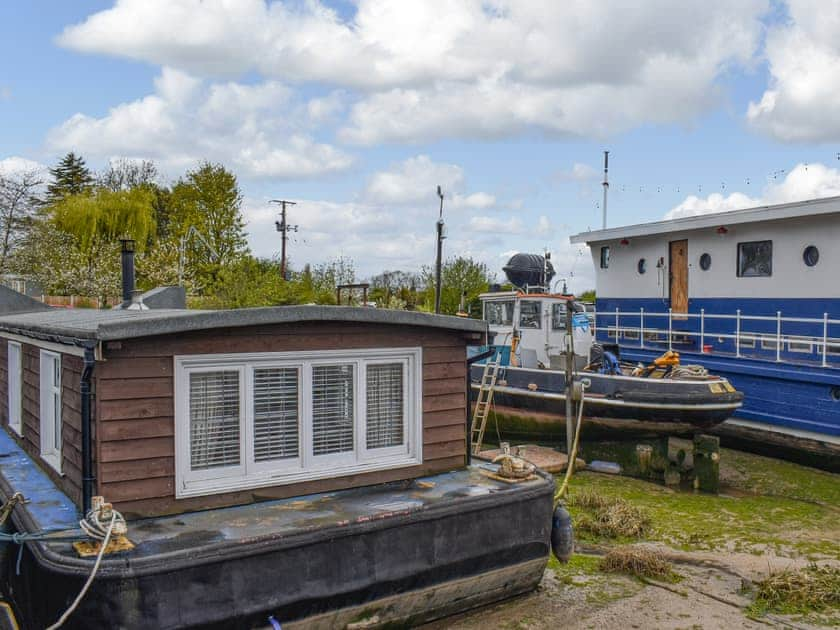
(679, 277)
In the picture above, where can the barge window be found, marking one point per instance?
(15, 384)
(276, 433)
(499, 313)
(265, 419)
(50, 397)
(385, 403)
(755, 259)
(530, 314)
(332, 409)
(214, 419)
(811, 255)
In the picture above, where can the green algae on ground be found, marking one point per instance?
(798, 516)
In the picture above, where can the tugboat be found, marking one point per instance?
(530, 328)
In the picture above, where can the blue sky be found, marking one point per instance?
(357, 110)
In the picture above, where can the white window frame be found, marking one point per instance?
(50, 412)
(15, 382)
(306, 466)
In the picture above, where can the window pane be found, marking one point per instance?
(275, 413)
(499, 313)
(332, 409)
(558, 316)
(214, 419)
(755, 259)
(529, 314)
(56, 421)
(384, 405)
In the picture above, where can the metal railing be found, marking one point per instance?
(756, 336)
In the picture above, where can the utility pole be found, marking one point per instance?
(440, 238)
(606, 185)
(284, 229)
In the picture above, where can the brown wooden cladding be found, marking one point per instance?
(135, 408)
(70, 481)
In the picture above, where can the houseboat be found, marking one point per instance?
(530, 328)
(751, 295)
(302, 465)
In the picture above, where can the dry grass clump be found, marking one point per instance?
(639, 562)
(610, 516)
(812, 589)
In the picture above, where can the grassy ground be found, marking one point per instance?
(764, 505)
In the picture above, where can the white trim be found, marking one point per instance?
(50, 412)
(60, 348)
(306, 467)
(762, 214)
(14, 382)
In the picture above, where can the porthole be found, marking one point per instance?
(705, 262)
(835, 394)
(642, 265)
(811, 255)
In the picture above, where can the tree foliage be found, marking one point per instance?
(70, 176)
(459, 276)
(18, 205)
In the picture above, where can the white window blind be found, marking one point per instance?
(332, 409)
(276, 426)
(384, 405)
(15, 381)
(214, 419)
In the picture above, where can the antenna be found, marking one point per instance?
(606, 185)
(440, 237)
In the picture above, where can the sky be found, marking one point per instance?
(358, 110)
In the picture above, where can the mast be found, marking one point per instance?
(606, 185)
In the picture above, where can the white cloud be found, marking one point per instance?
(15, 165)
(579, 172)
(254, 129)
(804, 181)
(803, 100)
(495, 225)
(416, 179)
(425, 69)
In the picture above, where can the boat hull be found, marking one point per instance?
(534, 400)
(402, 567)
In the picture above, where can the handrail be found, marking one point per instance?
(819, 342)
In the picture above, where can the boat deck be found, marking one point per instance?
(274, 520)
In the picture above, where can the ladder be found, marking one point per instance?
(482, 403)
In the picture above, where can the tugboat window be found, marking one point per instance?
(811, 255)
(642, 265)
(499, 313)
(558, 316)
(755, 259)
(530, 312)
(605, 257)
(705, 262)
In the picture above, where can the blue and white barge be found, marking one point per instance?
(750, 294)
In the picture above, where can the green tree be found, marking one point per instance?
(209, 200)
(71, 176)
(326, 277)
(458, 276)
(18, 205)
(587, 296)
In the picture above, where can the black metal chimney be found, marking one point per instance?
(127, 269)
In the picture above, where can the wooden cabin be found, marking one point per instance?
(190, 410)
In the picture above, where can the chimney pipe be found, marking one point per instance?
(127, 269)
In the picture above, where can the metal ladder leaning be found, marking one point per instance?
(482, 403)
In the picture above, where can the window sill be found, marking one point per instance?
(186, 489)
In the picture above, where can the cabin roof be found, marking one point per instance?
(811, 207)
(105, 325)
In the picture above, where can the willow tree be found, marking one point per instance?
(74, 247)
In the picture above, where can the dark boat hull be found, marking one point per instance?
(405, 567)
(533, 400)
